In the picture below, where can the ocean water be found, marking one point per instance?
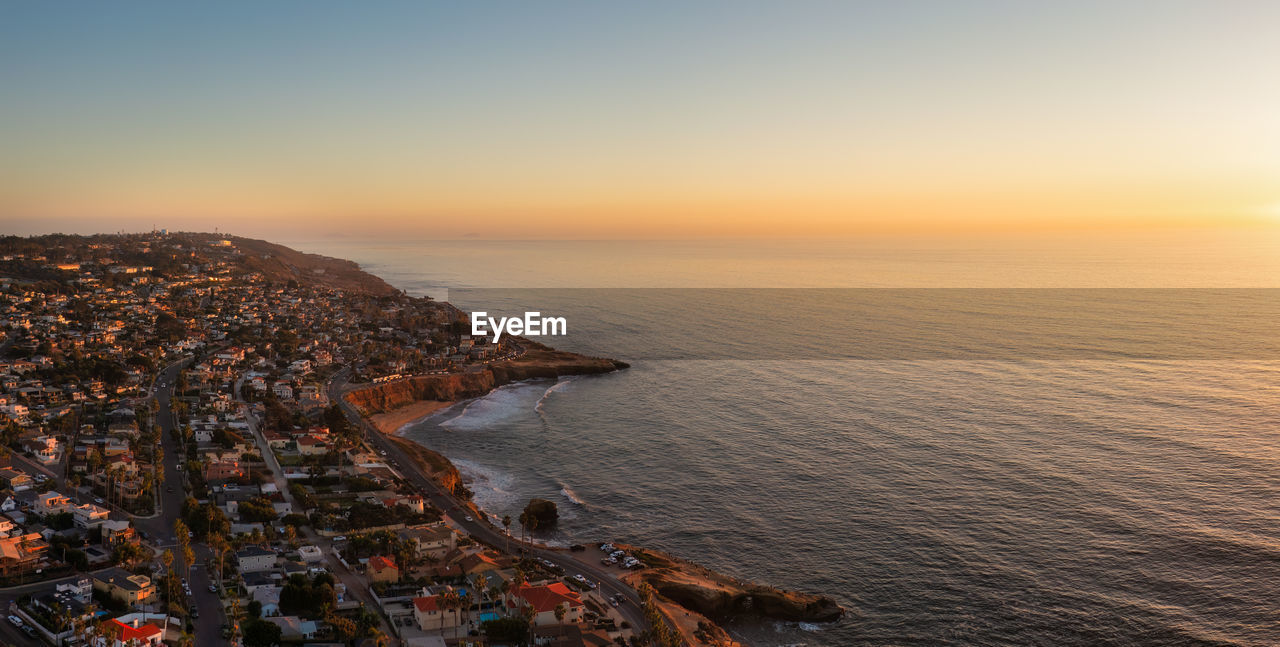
(1078, 499)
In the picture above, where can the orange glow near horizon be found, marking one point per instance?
(671, 121)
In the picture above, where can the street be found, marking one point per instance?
(208, 626)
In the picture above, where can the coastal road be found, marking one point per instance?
(478, 527)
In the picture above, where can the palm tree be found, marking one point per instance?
(560, 612)
(451, 601)
(506, 524)
(499, 590)
(482, 587)
(166, 558)
(518, 580)
(464, 601)
(379, 638)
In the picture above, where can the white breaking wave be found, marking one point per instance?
(499, 406)
(552, 389)
(572, 496)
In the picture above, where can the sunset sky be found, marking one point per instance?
(599, 119)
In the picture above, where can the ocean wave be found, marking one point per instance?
(502, 405)
(572, 496)
(494, 489)
(560, 385)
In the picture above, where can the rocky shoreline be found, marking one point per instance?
(693, 598)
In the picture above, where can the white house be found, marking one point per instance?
(431, 617)
(255, 558)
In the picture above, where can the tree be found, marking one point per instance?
(560, 612)
(128, 554)
(166, 558)
(506, 523)
(260, 633)
(506, 630)
(449, 602)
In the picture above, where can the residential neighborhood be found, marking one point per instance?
(176, 469)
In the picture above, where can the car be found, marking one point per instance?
(613, 602)
(383, 452)
(468, 518)
(169, 489)
(213, 589)
(29, 630)
(98, 500)
(15, 621)
(339, 538)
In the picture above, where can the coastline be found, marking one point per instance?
(694, 600)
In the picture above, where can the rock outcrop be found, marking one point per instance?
(715, 596)
(540, 513)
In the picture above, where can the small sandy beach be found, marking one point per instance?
(391, 422)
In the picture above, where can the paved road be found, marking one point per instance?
(609, 584)
(208, 627)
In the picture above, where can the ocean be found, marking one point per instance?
(1040, 491)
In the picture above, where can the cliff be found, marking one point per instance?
(715, 596)
(434, 464)
(538, 362)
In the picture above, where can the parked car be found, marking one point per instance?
(15, 621)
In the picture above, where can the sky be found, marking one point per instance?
(637, 120)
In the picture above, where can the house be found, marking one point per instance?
(570, 636)
(431, 616)
(255, 558)
(383, 569)
(293, 628)
(46, 448)
(479, 563)
(52, 503)
(135, 630)
(16, 480)
(545, 598)
(89, 516)
(22, 554)
(117, 532)
(221, 469)
(124, 586)
(312, 445)
(310, 553)
(269, 598)
(433, 541)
